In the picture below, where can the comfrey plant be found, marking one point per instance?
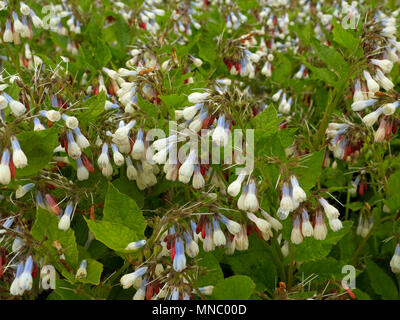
(175, 150)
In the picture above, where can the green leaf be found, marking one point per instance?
(330, 56)
(67, 291)
(323, 74)
(113, 235)
(59, 40)
(304, 32)
(174, 101)
(246, 5)
(259, 264)
(46, 228)
(102, 54)
(266, 134)
(94, 270)
(122, 209)
(287, 136)
(393, 185)
(38, 147)
(348, 246)
(93, 107)
(345, 38)
(327, 268)
(234, 288)
(207, 50)
(213, 271)
(268, 121)
(150, 109)
(355, 206)
(283, 70)
(311, 249)
(310, 170)
(361, 295)
(129, 188)
(381, 282)
(269, 145)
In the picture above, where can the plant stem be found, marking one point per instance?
(347, 205)
(291, 266)
(277, 258)
(336, 97)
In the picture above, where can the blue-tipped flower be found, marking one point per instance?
(65, 220)
(141, 292)
(19, 158)
(6, 225)
(70, 121)
(128, 279)
(37, 125)
(5, 172)
(192, 249)
(8, 35)
(175, 294)
(15, 288)
(82, 272)
(25, 280)
(136, 245)
(74, 151)
(40, 201)
(138, 147)
(179, 262)
(117, 156)
(218, 235)
(232, 226)
(103, 161)
(17, 108)
(22, 190)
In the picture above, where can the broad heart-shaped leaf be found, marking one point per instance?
(92, 108)
(234, 288)
(207, 50)
(393, 185)
(38, 147)
(327, 268)
(381, 282)
(323, 74)
(102, 53)
(94, 270)
(266, 134)
(247, 4)
(122, 209)
(256, 262)
(304, 32)
(67, 291)
(150, 109)
(130, 189)
(174, 101)
(268, 120)
(310, 170)
(46, 227)
(345, 37)
(330, 56)
(283, 70)
(268, 145)
(311, 249)
(114, 235)
(213, 272)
